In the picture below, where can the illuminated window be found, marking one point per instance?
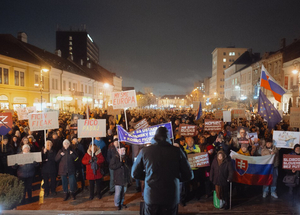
(5, 76)
(224, 59)
(17, 80)
(70, 38)
(231, 53)
(64, 85)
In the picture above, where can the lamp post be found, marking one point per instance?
(105, 86)
(42, 86)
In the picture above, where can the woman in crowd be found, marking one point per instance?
(66, 158)
(93, 160)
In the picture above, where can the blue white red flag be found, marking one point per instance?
(269, 83)
(199, 112)
(252, 170)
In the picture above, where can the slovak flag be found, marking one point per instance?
(252, 170)
(269, 83)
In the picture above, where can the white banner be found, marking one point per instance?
(226, 116)
(91, 128)
(124, 99)
(285, 139)
(23, 112)
(21, 159)
(43, 121)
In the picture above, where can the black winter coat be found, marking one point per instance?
(66, 162)
(162, 166)
(220, 175)
(27, 170)
(49, 164)
(121, 169)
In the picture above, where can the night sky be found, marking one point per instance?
(165, 45)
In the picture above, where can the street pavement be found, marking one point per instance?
(250, 202)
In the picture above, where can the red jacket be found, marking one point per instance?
(86, 161)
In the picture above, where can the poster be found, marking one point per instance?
(5, 123)
(295, 117)
(213, 125)
(218, 114)
(91, 128)
(141, 124)
(198, 159)
(285, 139)
(124, 99)
(226, 116)
(112, 111)
(252, 136)
(21, 159)
(242, 136)
(238, 113)
(187, 130)
(23, 112)
(291, 162)
(43, 121)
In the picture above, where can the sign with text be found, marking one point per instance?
(285, 139)
(43, 121)
(213, 125)
(91, 128)
(291, 162)
(295, 117)
(238, 113)
(226, 116)
(23, 112)
(187, 130)
(5, 123)
(112, 111)
(124, 99)
(141, 124)
(218, 114)
(198, 159)
(21, 159)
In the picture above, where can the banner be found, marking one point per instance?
(226, 116)
(142, 136)
(111, 111)
(43, 121)
(218, 114)
(291, 162)
(91, 128)
(285, 139)
(187, 130)
(252, 170)
(124, 99)
(23, 112)
(5, 123)
(198, 159)
(295, 117)
(141, 124)
(213, 125)
(238, 113)
(21, 159)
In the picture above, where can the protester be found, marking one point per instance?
(5, 150)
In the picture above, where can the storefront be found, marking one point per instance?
(19, 102)
(4, 104)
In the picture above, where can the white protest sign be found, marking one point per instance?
(91, 128)
(226, 116)
(285, 139)
(124, 99)
(21, 159)
(23, 112)
(43, 121)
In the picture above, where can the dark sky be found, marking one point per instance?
(165, 45)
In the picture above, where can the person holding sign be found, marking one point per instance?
(293, 172)
(66, 158)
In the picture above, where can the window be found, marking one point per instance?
(53, 84)
(17, 79)
(224, 66)
(70, 48)
(81, 88)
(22, 79)
(85, 89)
(231, 53)
(70, 43)
(74, 86)
(64, 85)
(224, 53)
(70, 38)
(70, 85)
(0, 75)
(5, 76)
(90, 89)
(224, 59)
(56, 84)
(232, 81)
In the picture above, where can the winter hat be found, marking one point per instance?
(209, 147)
(25, 146)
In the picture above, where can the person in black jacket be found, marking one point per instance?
(162, 166)
(221, 174)
(119, 164)
(66, 158)
(5, 150)
(49, 168)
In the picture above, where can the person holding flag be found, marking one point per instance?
(199, 112)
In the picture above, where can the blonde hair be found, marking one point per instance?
(49, 141)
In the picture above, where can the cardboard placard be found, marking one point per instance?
(238, 113)
(295, 117)
(112, 111)
(141, 124)
(23, 112)
(5, 123)
(285, 139)
(91, 128)
(21, 159)
(213, 125)
(187, 130)
(43, 121)
(291, 162)
(198, 159)
(226, 116)
(124, 99)
(218, 114)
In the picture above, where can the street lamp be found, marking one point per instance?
(42, 86)
(105, 86)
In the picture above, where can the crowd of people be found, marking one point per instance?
(76, 161)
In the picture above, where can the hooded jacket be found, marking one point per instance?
(89, 171)
(221, 174)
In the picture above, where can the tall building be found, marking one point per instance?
(77, 45)
(222, 58)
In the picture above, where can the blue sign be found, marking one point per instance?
(142, 136)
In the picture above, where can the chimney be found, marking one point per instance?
(282, 43)
(22, 36)
(58, 52)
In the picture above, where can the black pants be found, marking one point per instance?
(160, 209)
(92, 187)
(27, 187)
(52, 186)
(225, 194)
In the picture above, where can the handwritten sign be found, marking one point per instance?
(43, 121)
(218, 114)
(112, 111)
(295, 117)
(5, 123)
(124, 99)
(238, 113)
(226, 116)
(291, 162)
(187, 130)
(23, 112)
(198, 159)
(21, 159)
(141, 124)
(91, 128)
(285, 139)
(213, 125)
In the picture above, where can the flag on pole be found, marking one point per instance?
(267, 110)
(269, 83)
(252, 170)
(199, 112)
